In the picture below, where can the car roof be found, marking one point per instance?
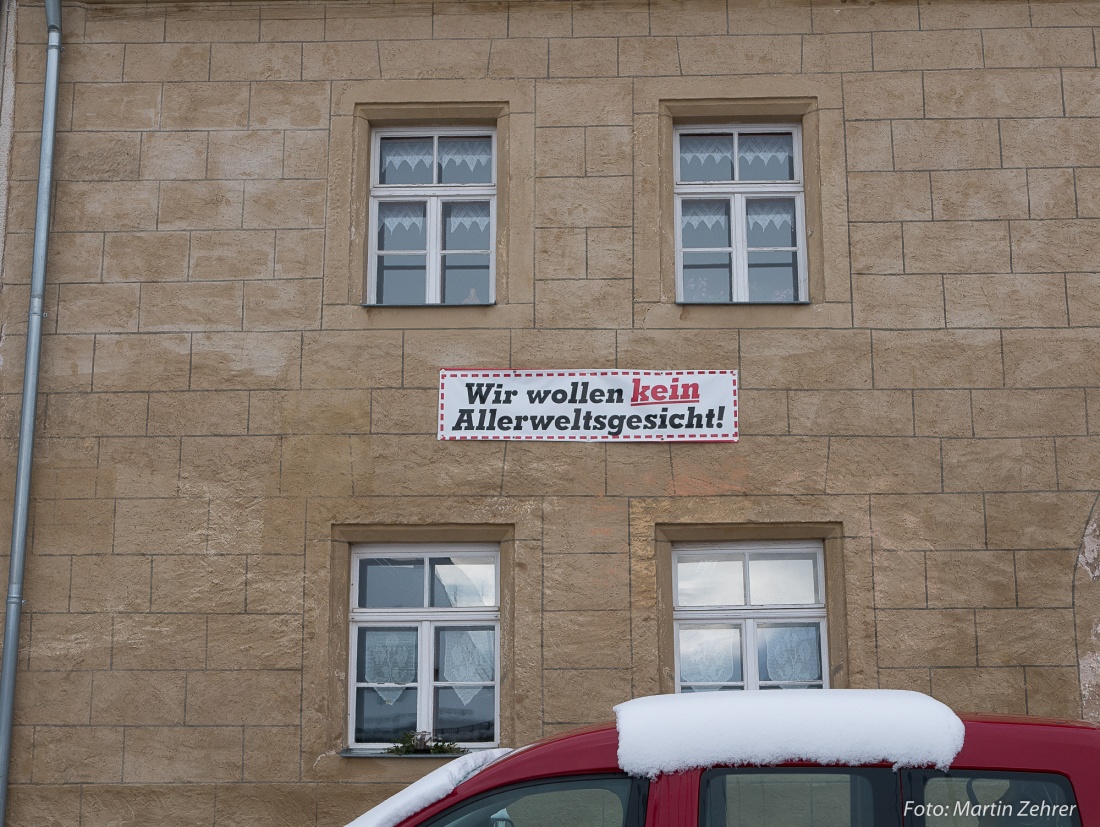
(991, 742)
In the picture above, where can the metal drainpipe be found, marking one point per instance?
(30, 399)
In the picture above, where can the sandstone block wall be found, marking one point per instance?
(220, 418)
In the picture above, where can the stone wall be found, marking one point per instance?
(220, 418)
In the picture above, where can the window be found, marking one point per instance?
(740, 215)
(612, 801)
(965, 798)
(815, 797)
(432, 217)
(425, 653)
(749, 616)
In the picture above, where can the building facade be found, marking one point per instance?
(253, 563)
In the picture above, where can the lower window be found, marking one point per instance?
(804, 797)
(425, 645)
(615, 801)
(989, 799)
(749, 616)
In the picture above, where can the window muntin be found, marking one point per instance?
(811, 797)
(432, 217)
(425, 644)
(740, 215)
(749, 616)
(972, 798)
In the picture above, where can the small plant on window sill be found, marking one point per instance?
(424, 743)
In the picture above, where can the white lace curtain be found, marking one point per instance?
(406, 216)
(710, 655)
(467, 215)
(472, 152)
(792, 653)
(418, 152)
(708, 213)
(390, 658)
(761, 213)
(713, 149)
(467, 656)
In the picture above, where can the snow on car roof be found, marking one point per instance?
(433, 787)
(672, 733)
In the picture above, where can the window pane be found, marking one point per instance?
(773, 277)
(465, 654)
(1000, 799)
(710, 580)
(386, 655)
(770, 222)
(710, 654)
(465, 713)
(402, 226)
(465, 278)
(704, 224)
(587, 802)
(789, 652)
(765, 157)
(783, 579)
(798, 798)
(386, 583)
(707, 278)
(466, 160)
(466, 225)
(405, 161)
(402, 279)
(706, 157)
(463, 582)
(687, 689)
(384, 715)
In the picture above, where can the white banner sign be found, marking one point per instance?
(588, 405)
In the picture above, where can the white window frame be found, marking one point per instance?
(737, 193)
(435, 195)
(426, 620)
(749, 617)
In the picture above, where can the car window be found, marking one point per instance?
(989, 799)
(616, 801)
(795, 797)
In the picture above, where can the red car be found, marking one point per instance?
(836, 758)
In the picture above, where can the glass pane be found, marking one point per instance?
(387, 583)
(466, 278)
(789, 651)
(463, 581)
(686, 689)
(465, 654)
(783, 579)
(384, 715)
(710, 580)
(402, 225)
(405, 161)
(798, 798)
(466, 225)
(995, 799)
(707, 278)
(466, 160)
(773, 277)
(386, 655)
(706, 157)
(704, 224)
(770, 222)
(465, 713)
(765, 157)
(710, 654)
(587, 802)
(402, 279)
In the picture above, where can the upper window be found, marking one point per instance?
(740, 215)
(432, 216)
(425, 644)
(749, 616)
